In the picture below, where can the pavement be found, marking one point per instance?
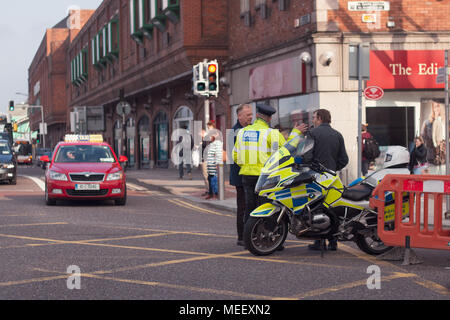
(168, 180)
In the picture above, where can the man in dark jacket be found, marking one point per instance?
(244, 115)
(329, 150)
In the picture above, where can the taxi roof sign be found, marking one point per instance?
(83, 138)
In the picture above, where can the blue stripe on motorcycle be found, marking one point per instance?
(265, 212)
(299, 201)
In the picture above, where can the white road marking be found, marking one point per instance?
(135, 187)
(39, 182)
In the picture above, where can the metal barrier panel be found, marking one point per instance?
(423, 196)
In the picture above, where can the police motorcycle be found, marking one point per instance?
(310, 201)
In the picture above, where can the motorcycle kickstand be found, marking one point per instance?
(322, 247)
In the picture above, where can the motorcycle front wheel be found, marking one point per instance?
(371, 244)
(262, 236)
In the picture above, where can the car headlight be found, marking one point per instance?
(57, 176)
(115, 176)
(10, 166)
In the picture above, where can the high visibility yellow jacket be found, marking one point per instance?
(255, 144)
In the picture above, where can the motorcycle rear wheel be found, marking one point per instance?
(262, 236)
(371, 244)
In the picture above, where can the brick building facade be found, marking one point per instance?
(47, 85)
(151, 70)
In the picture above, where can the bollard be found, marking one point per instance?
(221, 183)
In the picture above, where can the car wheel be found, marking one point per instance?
(121, 201)
(49, 201)
(13, 181)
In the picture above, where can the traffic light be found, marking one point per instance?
(11, 105)
(200, 80)
(15, 127)
(213, 78)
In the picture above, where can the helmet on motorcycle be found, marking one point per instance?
(396, 156)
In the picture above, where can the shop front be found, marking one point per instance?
(413, 103)
(161, 140)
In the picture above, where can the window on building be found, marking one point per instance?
(158, 19)
(245, 12)
(101, 45)
(261, 6)
(113, 37)
(171, 9)
(245, 6)
(136, 20)
(147, 28)
(84, 63)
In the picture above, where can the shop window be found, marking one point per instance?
(156, 15)
(171, 8)
(391, 126)
(136, 20)
(161, 138)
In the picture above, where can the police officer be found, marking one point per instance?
(254, 145)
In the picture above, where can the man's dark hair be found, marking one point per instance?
(324, 115)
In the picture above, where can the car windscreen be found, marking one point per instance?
(84, 154)
(4, 149)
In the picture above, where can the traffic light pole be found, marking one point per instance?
(42, 120)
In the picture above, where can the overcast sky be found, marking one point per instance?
(22, 28)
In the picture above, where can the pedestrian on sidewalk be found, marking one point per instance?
(214, 158)
(206, 140)
(186, 159)
(244, 115)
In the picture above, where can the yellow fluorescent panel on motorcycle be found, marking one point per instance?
(389, 211)
(266, 210)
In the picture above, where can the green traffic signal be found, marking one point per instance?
(201, 86)
(11, 105)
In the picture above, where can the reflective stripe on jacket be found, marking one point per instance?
(255, 144)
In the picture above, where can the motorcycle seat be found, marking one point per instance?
(358, 192)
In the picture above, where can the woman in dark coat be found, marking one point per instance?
(418, 157)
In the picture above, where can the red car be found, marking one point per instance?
(84, 168)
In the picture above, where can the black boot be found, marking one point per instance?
(332, 244)
(316, 246)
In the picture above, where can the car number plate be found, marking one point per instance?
(87, 186)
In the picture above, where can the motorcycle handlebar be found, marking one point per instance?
(320, 167)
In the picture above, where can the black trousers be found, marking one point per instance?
(252, 200)
(240, 199)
